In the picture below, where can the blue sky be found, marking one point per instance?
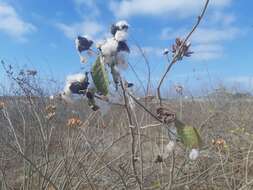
(40, 34)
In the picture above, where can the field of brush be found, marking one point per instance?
(47, 144)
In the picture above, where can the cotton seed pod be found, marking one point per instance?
(74, 122)
(219, 143)
(83, 43)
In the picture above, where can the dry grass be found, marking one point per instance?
(37, 153)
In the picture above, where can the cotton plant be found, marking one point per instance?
(178, 131)
(83, 44)
(111, 55)
(78, 84)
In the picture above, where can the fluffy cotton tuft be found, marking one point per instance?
(79, 77)
(194, 154)
(121, 35)
(121, 24)
(109, 48)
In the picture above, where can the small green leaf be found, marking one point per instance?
(189, 136)
(100, 77)
(156, 185)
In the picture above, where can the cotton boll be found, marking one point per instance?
(122, 24)
(194, 154)
(109, 48)
(114, 29)
(121, 35)
(83, 43)
(79, 77)
(123, 47)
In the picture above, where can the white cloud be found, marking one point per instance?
(203, 34)
(84, 6)
(207, 42)
(207, 52)
(209, 39)
(12, 24)
(86, 27)
(178, 8)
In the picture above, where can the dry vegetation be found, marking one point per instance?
(79, 149)
(49, 144)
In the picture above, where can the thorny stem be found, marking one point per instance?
(175, 57)
(132, 133)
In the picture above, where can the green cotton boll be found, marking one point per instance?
(189, 135)
(100, 77)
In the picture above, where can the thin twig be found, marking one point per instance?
(132, 133)
(175, 57)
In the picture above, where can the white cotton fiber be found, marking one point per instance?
(121, 35)
(109, 48)
(194, 154)
(121, 23)
(79, 77)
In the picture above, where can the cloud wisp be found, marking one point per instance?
(12, 24)
(86, 27)
(179, 8)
